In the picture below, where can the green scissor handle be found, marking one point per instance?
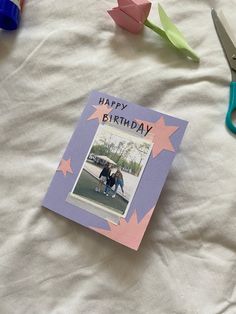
(232, 108)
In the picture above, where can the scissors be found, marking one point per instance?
(230, 54)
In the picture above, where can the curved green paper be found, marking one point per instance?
(175, 36)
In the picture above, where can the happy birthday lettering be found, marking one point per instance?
(120, 120)
(114, 104)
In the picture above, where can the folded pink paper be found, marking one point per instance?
(131, 14)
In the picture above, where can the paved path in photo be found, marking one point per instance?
(86, 188)
(130, 181)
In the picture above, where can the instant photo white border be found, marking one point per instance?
(91, 206)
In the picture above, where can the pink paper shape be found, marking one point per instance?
(125, 21)
(131, 14)
(128, 233)
(99, 112)
(65, 167)
(138, 9)
(160, 135)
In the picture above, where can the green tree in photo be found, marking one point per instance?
(123, 153)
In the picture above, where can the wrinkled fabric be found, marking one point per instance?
(48, 264)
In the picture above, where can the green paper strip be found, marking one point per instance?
(156, 29)
(172, 34)
(175, 36)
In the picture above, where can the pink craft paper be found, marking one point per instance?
(160, 135)
(99, 112)
(138, 9)
(125, 21)
(128, 233)
(65, 167)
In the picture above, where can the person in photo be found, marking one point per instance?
(105, 173)
(110, 183)
(119, 181)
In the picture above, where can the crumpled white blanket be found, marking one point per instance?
(48, 264)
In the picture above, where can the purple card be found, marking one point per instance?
(113, 170)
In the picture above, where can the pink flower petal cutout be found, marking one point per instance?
(138, 9)
(125, 21)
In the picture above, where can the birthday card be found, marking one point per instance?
(114, 167)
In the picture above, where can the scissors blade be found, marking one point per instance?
(226, 42)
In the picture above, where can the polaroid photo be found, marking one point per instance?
(111, 172)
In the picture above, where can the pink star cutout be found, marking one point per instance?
(127, 233)
(100, 111)
(160, 135)
(65, 167)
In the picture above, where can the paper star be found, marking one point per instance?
(160, 135)
(100, 111)
(128, 233)
(65, 167)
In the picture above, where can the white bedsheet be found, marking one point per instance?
(186, 263)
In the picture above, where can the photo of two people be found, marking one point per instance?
(111, 172)
(110, 180)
